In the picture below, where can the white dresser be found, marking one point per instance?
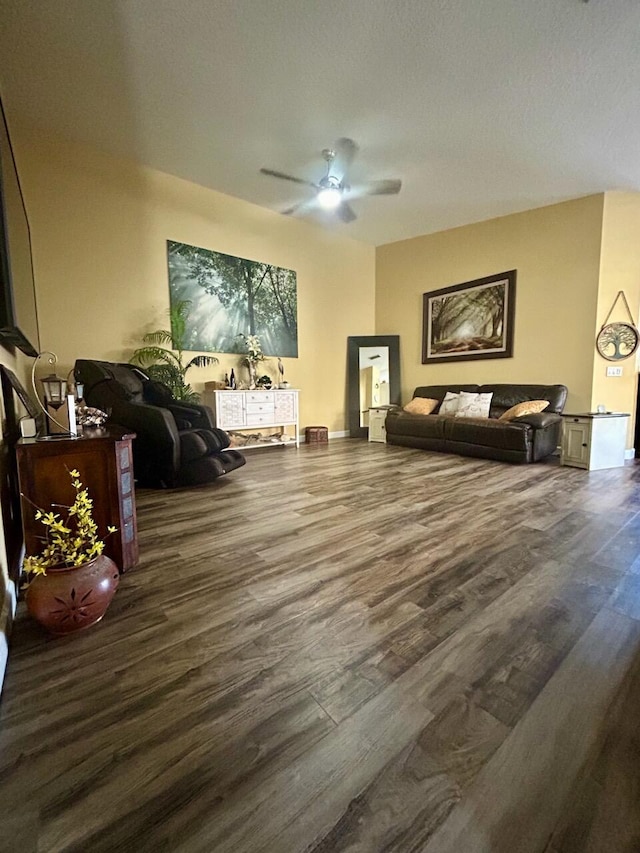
(594, 441)
(253, 411)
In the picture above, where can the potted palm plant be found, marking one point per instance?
(163, 355)
(72, 580)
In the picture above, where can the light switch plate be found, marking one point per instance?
(614, 371)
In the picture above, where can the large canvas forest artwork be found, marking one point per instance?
(470, 320)
(231, 296)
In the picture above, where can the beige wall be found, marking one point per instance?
(619, 270)
(99, 236)
(556, 251)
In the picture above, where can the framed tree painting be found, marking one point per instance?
(229, 296)
(471, 320)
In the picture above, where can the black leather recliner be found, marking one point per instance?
(177, 443)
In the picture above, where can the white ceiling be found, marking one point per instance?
(482, 107)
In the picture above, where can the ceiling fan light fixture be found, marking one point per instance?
(329, 198)
(334, 191)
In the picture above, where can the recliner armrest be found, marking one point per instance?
(156, 429)
(200, 417)
(151, 421)
(540, 420)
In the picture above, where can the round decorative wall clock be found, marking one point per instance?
(617, 341)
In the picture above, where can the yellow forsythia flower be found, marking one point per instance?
(71, 541)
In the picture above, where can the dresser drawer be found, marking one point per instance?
(571, 419)
(260, 420)
(260, 408)
(259, 397)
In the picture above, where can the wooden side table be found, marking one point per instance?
(594, 441)
(104, 460)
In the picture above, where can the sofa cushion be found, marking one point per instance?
(450, 404)
(438, 391)
(424, 426)
(421, 406)
(529, 407)
(487, 432)
(473, 405)
(506, 396)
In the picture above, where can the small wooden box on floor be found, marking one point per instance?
(104, 461)
(316, 435)
(594, 441)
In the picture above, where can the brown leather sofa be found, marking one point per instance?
(525, 439)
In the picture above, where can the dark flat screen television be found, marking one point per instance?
(18, 311)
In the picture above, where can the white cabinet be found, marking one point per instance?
(594, 441)
(377, 418)
(256, 410)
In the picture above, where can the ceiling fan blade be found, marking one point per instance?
(301, 207)
(285, 177)
(346, 149)
(388, 187)
(346, 212)
(293, 209)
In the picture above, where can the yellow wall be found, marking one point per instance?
(100, 227)
(619, 270)
(556, 251)
(99, 231)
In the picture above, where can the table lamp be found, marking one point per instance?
(59, 407)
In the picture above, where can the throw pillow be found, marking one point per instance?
(449, 405)
(421, 406)
(528, 407)
(474, 405)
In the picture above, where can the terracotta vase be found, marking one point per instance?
(70, 599)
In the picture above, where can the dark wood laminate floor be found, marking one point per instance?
(346, 648)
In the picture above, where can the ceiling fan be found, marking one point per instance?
(333, 192)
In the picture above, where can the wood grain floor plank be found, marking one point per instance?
(601, 814)
(355, 647)
(495, 817)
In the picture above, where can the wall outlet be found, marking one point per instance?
(614, 371)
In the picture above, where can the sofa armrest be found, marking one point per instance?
(540, 420)
(546, 432)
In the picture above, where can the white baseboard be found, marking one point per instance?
(630, 453)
